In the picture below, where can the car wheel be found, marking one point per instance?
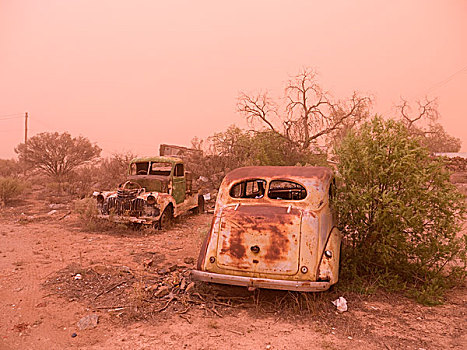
(166, 219)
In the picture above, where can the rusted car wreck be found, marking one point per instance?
(158, 189)
(273, 227)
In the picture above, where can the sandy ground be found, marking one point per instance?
(35, 247)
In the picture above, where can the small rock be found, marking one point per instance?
(148, 262)
(163, 271)
(56, 206)
(78, 276)
(189, 260)
(42, 304)
(162, 291)
(52, 212)
(88, 322)
(151, 288)
(125, 269)
(73, 335)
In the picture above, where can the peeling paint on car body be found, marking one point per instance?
(155, 184)
(270, 229)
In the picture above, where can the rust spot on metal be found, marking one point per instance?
(236, 246)
(279, 244)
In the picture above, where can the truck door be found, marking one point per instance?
(179, 183)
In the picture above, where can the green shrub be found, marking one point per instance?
(10, 188)
(400, 215)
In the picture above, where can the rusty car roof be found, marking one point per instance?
(319, 173)
(157, 159)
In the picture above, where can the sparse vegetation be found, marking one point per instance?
(9, 167)
(10, 188)
(87, 210)
(399, 213)
(56, 155)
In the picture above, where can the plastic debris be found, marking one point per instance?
(341, 304)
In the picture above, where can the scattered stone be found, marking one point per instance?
(52, 212)
(173, 268)
(163, 271)
(42, 304)
(125, 269)
(73, 335)
(88, 322)
(78, 276)
(189, 260)
(56, 206)
(148, 262)
(151, 288)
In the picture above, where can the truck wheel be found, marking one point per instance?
(166, 219)
(200, 208)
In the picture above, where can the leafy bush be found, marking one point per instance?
(399, 213)
(10, 188)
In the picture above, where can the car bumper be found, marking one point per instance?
(128, 219)
(252, 282)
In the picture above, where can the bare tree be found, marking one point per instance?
(309, 113)
(427, 110)
(259, 106)
(421, 122)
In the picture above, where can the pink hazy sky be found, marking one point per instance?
(130, 75)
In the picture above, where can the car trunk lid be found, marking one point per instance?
(260, 238)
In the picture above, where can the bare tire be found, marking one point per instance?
(167, 217)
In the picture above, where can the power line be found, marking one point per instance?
(9, 115)
(446, 80)
(10, 130)
(21, 116)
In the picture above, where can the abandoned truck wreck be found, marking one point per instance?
(157, 190)
(273, 227)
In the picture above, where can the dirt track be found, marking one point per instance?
(36, 315)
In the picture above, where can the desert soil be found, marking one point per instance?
(53, 273)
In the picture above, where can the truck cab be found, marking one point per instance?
(157, 190)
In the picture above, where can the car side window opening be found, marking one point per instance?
(179, 171)
(160, 168)
(286, 190)
(248, 189)
(139, 168)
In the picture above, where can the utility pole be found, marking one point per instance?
(26, 127)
